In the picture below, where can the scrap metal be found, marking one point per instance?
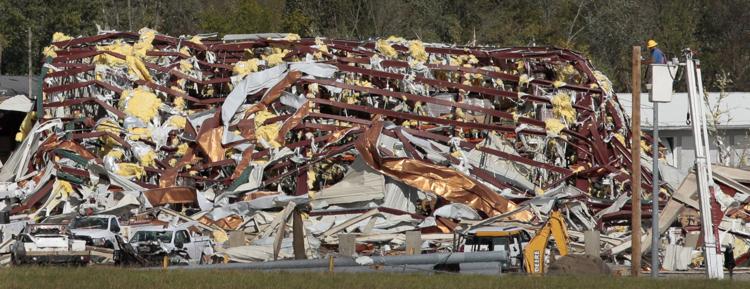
(240, 133)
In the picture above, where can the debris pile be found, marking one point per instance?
(274, 145)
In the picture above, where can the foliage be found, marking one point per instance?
(602, 30)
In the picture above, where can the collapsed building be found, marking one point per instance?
(241, 135)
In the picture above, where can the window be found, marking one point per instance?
(90, 223)
(143, 236)
(113, 227)
(670, 155)
(182, 237)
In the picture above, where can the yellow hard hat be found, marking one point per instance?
(651, 43)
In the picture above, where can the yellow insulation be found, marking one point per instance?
(111, 126)
(148, 159)
(620, 138)
(322, 47)
(137, 69)
(417, 51)
(49, 51)
(312, 175)
(64, 188)
(59, 36)
(177, 121)
(553, 126)
(395, 39)
(179, 103)
(118, 47)
(276, 58)
(523, 80)
(243, 68)
(292, 37)
(185, 65)
(144, 42)
(26, 125)
(140, 103)
(182, 149)
(116, 154)
(384, 48)
(567, 72)
(196, 39)
(130, 170)
(562, 107)
(220, 236)
(268, 133)
(139, 133)
(604, 82)
(134, 54)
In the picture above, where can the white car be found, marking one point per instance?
(48, 244)
(97, 230)
(153, 244)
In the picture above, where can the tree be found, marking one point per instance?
(604, 31)
(241, 16)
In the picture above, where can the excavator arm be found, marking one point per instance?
(534, 253)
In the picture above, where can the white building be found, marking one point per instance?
(677, 135)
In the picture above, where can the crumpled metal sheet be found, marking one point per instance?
(171, 195)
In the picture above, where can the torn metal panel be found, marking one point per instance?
(19, 103)
(172, 195)
(360, 184)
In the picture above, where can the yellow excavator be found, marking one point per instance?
(534, 253)
(524, 252)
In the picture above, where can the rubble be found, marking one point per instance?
(291, 141)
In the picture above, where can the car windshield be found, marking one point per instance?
(142, 236)
(90, 223)
(46, 231)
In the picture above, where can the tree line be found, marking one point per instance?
(604, 31)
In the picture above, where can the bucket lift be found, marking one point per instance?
(706, 186)
(662, 79)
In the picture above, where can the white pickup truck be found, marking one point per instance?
(48, 244)
(97, 230)
(177, 244)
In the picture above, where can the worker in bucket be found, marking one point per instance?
(657, 56)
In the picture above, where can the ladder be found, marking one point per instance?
(706, 185)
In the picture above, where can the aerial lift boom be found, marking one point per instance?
(706, 186)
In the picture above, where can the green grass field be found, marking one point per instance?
(82, 278)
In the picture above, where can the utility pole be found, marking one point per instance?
(660, 86)
(635, 148)
(31, 83)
